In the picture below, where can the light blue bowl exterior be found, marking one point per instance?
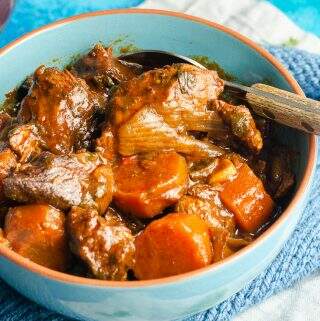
(186, 296)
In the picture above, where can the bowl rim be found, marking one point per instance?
(307, 176)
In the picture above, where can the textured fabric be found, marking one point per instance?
(304, 66)
(299, 257)
(300, 302)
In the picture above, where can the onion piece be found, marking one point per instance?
(202, 121)
(147, 131)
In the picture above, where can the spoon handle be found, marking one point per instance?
(285, 107)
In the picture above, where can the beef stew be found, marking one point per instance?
(119, 173)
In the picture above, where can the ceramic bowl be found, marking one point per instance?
(182, 295)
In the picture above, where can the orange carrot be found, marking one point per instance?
(37, 233)
(172, 245)
(146, 185)
(247, 199)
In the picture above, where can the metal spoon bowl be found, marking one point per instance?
(157, 59)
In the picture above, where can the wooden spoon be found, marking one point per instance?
(279, 105)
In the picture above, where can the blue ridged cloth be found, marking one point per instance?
(300, 255)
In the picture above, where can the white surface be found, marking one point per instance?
(299, 303)
(261, 22)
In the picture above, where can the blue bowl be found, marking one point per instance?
(186, 294)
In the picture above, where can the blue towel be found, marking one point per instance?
(300, 255)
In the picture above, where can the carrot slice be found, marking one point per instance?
(37, 232)
(174, 244)
(247, 199)
(146, 185)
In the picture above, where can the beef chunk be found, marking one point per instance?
(280, 177)
(176, 92)
(241, 123)
(101, 69)
(220, 222)
(62, 107)
(63, 181)
(210, 211)
(8, 162)
(26, 142)
(105, 244)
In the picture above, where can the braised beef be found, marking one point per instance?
(62, 107)
(63, 181)
(105, 244)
